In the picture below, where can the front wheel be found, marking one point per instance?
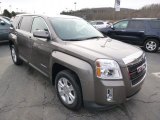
(68, 91)
(15, 57)
(151, 45)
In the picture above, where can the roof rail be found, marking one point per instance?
(146, 18)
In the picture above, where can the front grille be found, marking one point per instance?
(135, 75)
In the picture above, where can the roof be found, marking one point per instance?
(60, 16)
(145, 19)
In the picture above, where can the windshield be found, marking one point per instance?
(72, 29)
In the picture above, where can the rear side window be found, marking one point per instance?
(155, 24)
(136, 24)
(26, 23)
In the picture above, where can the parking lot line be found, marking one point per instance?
(157, 74)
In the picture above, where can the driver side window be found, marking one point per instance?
(39, 24)
(121, 25)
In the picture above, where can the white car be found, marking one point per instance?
(99, 24)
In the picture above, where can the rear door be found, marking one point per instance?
(119, 30)
(23, 37)
(42, 48)
(135, 32)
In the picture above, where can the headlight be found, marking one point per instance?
(108, 69)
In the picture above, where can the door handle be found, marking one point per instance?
(123, 30)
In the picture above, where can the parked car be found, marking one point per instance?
(85, 67)
(144, 32)
(99, 24)
(5, 28)
(7, 18)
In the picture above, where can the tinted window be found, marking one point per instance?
(136, 24)
(99, 23)
(121, 25)
(26, 23)
(155, 24)
(39, 24)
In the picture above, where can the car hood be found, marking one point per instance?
(103, 48)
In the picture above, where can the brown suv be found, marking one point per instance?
(86, 68)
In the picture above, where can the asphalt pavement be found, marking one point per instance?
(25, 94)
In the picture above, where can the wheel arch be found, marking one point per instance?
(152, 37)
(82, 70)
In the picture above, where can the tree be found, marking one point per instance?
(13, 13)
(7, 13)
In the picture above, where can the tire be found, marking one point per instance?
(15, 58)
(68, 91)
(151, 45)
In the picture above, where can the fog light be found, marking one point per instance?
(110, 94)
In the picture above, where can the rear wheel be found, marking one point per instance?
(15, 57)
(68, 91)
(151, 45)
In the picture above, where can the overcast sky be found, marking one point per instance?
(53, 7)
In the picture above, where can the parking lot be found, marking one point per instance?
(25, 94)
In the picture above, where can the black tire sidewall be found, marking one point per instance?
(156, 41)
(18, 61)
(13, 47)
(72, 79)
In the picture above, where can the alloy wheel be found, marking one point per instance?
(14, 56)
(151, 45)
(66, 91)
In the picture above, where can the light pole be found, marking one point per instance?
(0, 8)
(75, 5)
(66, 9)
(10, 8)
(17, 10)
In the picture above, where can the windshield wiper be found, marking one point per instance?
(79, 39)
(72, 39)
(94, 37)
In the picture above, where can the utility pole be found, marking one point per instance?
(75, 5)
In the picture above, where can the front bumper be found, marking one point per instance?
(122, 91)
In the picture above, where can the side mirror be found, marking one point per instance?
(11, 29)
(2, 22)
(112, 27)
(41, 34)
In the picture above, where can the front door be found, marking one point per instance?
(119, 30)
(42, 48)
